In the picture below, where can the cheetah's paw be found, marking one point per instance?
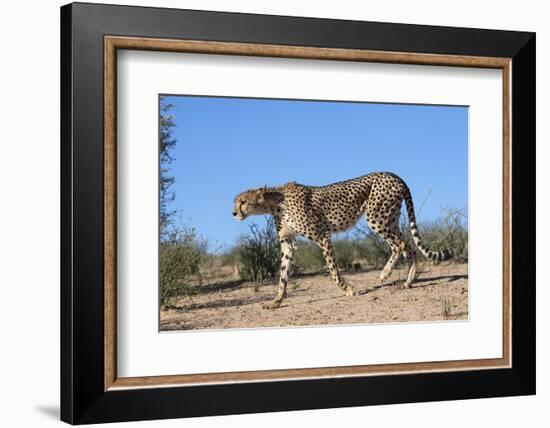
(272, 305)
(350, 292)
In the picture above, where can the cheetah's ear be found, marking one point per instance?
(262, 193)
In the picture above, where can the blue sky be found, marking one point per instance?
(227, 145)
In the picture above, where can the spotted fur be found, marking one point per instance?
(317, 212)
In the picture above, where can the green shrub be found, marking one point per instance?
(344, 251)
(449, 231)
(308, 257)
(259, 253)
(179, 258)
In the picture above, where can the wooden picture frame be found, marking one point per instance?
(91, 390)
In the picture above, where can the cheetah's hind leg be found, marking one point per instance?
(410, 255)
(396, 250)
(393, 237)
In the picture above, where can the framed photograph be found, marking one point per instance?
(266, 213)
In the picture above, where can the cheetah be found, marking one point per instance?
(316, 212)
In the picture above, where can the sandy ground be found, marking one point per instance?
(439, 293)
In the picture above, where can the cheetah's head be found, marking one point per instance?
(249, 203)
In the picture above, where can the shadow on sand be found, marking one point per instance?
(232, 285)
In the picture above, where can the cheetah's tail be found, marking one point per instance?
(433, 255)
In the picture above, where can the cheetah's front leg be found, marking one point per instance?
(287, 250)
(328, 253)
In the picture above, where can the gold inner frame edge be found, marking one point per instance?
(113, 43)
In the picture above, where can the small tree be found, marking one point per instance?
(180, 257)
(167, 143)
(259, 253)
